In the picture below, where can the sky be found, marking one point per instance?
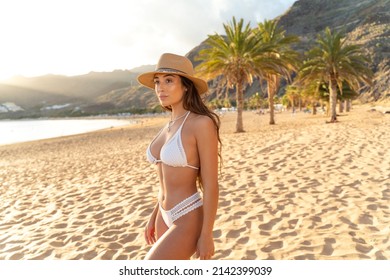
(74, 37)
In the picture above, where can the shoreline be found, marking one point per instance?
(301, 189)
(27, 130)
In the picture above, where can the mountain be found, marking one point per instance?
(81, 87)
(56, 95)
(365, 22)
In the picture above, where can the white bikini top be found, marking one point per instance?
(172, 152)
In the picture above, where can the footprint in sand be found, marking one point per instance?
(348, 222)
(250, 255)
(217, 233)
(107, 240)
(328, 249)
(128, 238)
(90, 255)
(363, 248)
(305, 257)
(272, 246)
(44, 255)
(366, 219)
(62, 225)
(270, 224)
(134, 251)
(234, 233)
(57, 244)
(115, 246)
(285, 234)
(243, 240)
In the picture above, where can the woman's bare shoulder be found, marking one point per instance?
(202, 122)
(201, 126)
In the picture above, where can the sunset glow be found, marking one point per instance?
(71, 37)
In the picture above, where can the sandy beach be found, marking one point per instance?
(301, 189)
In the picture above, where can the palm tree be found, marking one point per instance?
(284, 58)
(334, 61)
(236, 57)
(292, 95)
(255, 101)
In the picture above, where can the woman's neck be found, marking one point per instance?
(177, 112)
(178, 116)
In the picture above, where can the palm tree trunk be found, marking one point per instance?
(348, 105)
(292, 105)
(341, 106)
(314, 107)
(226, 92)
(333, 100)
(271, 85)
(240, 107)
(271, 108)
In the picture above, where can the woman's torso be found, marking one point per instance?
(176, 147)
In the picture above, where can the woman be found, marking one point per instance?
(185, 152)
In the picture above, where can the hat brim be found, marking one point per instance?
(147, 79)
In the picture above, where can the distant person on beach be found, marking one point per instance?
(186, 155)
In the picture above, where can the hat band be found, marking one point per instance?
(169, 70)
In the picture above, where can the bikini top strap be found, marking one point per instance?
(185, 118)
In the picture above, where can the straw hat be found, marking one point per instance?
(173, 64)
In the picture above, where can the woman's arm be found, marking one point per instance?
(207, 143)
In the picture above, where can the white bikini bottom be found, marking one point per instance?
(187, 205)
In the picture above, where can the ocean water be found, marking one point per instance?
(27, 130)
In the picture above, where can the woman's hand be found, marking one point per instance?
(150, 231)
(205, 247)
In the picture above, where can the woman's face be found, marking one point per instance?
(169, 89)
